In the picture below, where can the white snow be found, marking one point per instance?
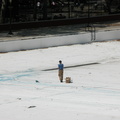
(94, 93)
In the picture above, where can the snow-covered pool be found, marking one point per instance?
(94, 93)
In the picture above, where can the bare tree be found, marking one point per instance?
(0, 11)
(108, 5)
(2, 4)
(112, 3)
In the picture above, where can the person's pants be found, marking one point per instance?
(60, 75)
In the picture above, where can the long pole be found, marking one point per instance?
(10, 29)
(45, 10)
(88, 13)
(68, 8)
(35, 11)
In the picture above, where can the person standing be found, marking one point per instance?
(60, 71)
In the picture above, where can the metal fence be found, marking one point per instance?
(37, 10)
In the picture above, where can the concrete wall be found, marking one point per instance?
(8, 46)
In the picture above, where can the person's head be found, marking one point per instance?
(60, 61)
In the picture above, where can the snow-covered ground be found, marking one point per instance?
(94, 93)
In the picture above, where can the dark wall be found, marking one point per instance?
(28, 25)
